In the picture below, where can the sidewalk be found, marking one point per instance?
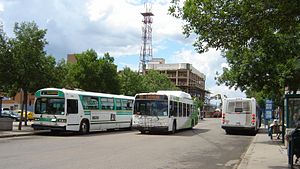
(264, 153)
(26, 130)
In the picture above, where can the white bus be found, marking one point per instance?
(240, 114)
(164, 111)
(73, 110)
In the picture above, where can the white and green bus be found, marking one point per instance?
(164, 111)
(82, 111)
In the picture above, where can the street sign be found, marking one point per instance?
(269, 109)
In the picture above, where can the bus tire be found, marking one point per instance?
(130, 125)
(227, 132)
(84, 127)
(173, 128)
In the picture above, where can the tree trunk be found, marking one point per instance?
(22, 108)
(25, 102)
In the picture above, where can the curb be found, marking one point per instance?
(20, 134)
(245, 157)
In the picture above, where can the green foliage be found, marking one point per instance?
(198, 103)
(260, 40)
(6, 62)
(109, 75)
(154, 81)
(130, 82)
(60, 72)
(26, 58)
(92, 74)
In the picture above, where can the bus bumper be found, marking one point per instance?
(48, 127)
(152, 129)
(238, 128)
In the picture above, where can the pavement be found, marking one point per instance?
(25, 130)
(263, 153)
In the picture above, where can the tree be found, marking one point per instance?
(60, 72)
(28, 58)
(198, 103)
(109, 75)
(154, 81)
(6, 61)
(130, 82)
(260, 39)
(92, 74)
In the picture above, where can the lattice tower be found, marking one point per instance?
(146, 47)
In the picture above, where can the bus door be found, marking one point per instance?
(235, 114)
(73, 116)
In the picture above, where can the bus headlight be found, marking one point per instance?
(62, 120)
(164, 123)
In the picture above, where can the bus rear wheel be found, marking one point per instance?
(84, 127)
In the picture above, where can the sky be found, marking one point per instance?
(113, 26)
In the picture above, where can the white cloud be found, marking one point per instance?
(113, 26)
(1, 7)
(98, 9)
(224, 90)
(207, 63)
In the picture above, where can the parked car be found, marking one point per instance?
(217, 114)
(30, 115)
(10, 114)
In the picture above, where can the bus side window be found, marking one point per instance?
(107, 103)
(118, 104)
(175, 109)
(72, 106)
(184, 110)
(188, 109)
(180, 109)
(129, 104)
(171, 110)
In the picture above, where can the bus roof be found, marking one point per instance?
(238, 99)
(80, 92)
(175, 93)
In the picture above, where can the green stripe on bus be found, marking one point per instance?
(87, 112)
(59, 93)
(45, 119)
(124, 113)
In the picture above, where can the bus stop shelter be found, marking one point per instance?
(292, 119)
(292, 112)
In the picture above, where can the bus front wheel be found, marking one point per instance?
(84, 127)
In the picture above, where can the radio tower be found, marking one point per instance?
(146, 48)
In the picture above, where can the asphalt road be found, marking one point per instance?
(205, 147)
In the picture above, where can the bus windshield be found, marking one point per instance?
(151, 107)
(54, 106)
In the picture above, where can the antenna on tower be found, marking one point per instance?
(146, 47)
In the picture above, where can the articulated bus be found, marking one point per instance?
(164, 111)
(74, 110)
(240, 114)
